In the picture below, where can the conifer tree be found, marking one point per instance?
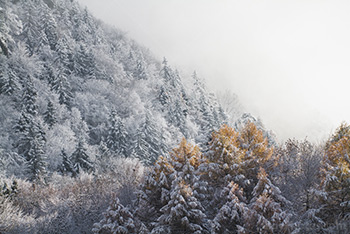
(31, 145)
(163, 97)
(190, 217)
(335, 185)
(32, 33)
(117, 138)
(256, 152)
(166, 72)
(67, 166)
(103, 157)
(183, 213)
(220, 167)
(62, 87)
(155, 192)
(50, 115)
(140, 72)
(84, 63)
(49, 26)
(268, 213)
(81, 159)
(148, 141)
(29, 97)
(231, 216)
(8, 79)
(117, 220)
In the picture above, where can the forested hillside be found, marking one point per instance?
(74, 90)
(99, 136)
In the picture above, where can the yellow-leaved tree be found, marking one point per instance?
(335, 172)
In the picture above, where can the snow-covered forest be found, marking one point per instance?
(99, 136)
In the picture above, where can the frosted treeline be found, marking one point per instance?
(75, 92)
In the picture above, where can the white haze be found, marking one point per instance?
(288, 61)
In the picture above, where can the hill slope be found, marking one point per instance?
(70, 84)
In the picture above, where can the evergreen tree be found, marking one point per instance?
(67, 166)
(335, 186)
(49, 26)
(80, 159)
(183, 213)
(32, 34)
(230, 218)
(117, 138)
(155, 192)
(118, 220)
(30, 146)
(50, 115)
(62, 87)
(154, 138)
(8, 79)
(140, 72)
(29, 97)
(166, 73)
(256, 152)
(141, 148)
(163, 97)
(178, 118)
(103, 157)
(84, 64)
(268, 213)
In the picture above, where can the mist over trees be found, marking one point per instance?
(91, 127)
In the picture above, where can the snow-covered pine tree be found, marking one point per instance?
(231, 216)
(118, 220)
(140, 72)
(117, 138)
(154, 192)
(67, 167)
(30, 145)
(183, 213)
(267, 209)
(103, 157)
(83, 63)
(32, 34)
(149, 142)
(49, 26)
(61, 85)
(80, 159)
(8, 79)
(163, 97)
(29, 96)
(178, 118)
(166, 73)
(50, 115)
(190, 217)
(220, 167)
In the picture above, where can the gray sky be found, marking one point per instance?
(288, 61)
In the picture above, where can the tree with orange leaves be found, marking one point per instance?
(236, 156)
(335, 185)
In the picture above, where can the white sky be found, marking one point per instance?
(288, 61)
